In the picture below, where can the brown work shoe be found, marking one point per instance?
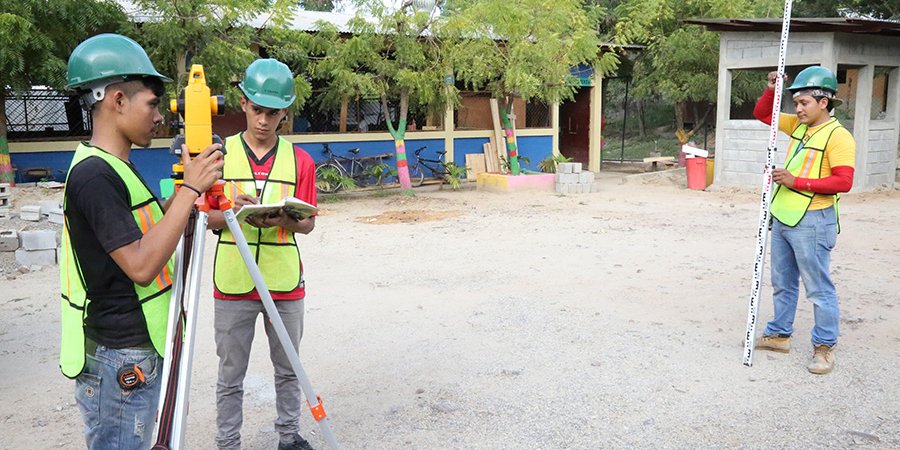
(775, 343)
(822, 360)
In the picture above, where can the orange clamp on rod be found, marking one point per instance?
(318, 411)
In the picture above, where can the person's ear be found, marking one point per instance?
(243, 104)
(118, 98)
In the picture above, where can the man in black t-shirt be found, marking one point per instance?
(115, 268)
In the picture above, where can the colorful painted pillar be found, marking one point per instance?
(511, 148)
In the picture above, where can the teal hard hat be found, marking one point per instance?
(269, 83)
(816, 77)
(108, 56)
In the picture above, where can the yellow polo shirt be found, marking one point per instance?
(839, 151)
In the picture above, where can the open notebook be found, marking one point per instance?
(293, 207)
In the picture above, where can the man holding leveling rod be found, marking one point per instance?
(261, 167)
(819, 166)
(116, 257)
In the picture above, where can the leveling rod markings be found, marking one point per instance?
(762, 231)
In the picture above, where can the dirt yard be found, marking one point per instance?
(488, 321)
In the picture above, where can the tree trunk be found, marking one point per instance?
(345, 102)
(642, 122)
(398, 135)
(679, 124)
(511, 148)
(6, 171)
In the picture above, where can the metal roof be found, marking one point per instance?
(829, 24)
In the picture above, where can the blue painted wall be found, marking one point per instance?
(155, 164)
(535, 148)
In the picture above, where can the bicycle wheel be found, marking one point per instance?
(416, 175)
(359, 173)
(328, 177)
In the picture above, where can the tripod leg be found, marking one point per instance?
(184, 370)
(174, 317)
(317, 410)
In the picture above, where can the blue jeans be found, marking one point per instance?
(804, 252)
(115, 418)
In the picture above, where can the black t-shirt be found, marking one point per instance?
(99, 218)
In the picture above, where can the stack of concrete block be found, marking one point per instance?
(52, 210)
(5, 199)
(9, 240)
(570, 179)
(37, 248)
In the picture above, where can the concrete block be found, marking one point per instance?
(48, 205)
(56, 216)
(38, 239)
(9, 240)
(568, 178)
(30, 212)
(586, 177)
(5, 212)
(576, 167)
(563, 168)
(5, 190)
(4, 203)
(30, 258)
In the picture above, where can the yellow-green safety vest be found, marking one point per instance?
(275, 249)
(154, 298)
(805, 161)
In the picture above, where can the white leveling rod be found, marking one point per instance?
(762, 231)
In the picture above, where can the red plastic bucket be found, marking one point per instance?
(696, 173)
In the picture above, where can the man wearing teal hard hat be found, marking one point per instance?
(261, 167)
(819, 167)
(116, 264)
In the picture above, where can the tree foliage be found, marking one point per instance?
(874, 9)
(525, 48)
(220, 34)
(680, 63)
(36, 38)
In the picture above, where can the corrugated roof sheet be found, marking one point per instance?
(828, 24)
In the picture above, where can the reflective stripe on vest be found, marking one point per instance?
(805, 161)
(154, 298)
(275, 248)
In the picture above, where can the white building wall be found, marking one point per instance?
(741, 144)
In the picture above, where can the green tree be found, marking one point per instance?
(876, 9)
(681, 61)
(524, 49)
(391, 54)
(37, 38)
(223, 35)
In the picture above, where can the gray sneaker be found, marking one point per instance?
(822, 360)
(775, 343)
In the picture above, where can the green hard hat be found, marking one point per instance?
(108, 57)
(815, 77)
(269, 83)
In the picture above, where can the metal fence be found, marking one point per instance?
(363, 115)
(42, 113)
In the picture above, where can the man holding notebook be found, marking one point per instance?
(261, 167)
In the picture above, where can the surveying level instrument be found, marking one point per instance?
(197, 108)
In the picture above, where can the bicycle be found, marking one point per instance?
(437, 167)
(331, 174)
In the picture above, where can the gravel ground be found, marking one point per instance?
(489, 321)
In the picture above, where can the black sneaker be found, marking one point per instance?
(293, 442)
